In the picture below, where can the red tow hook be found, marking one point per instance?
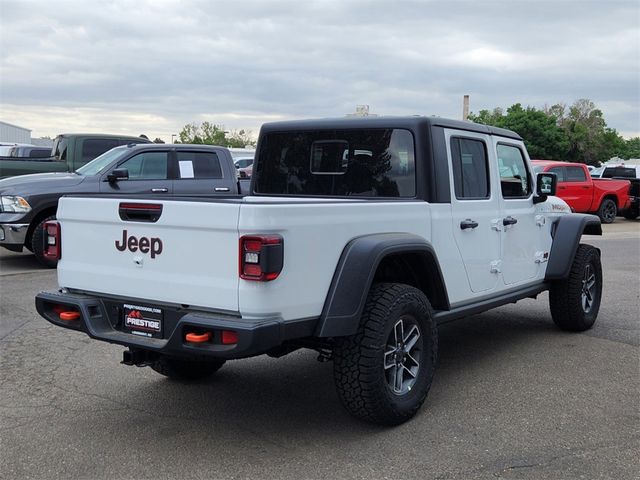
(198, 337)
(69, 316)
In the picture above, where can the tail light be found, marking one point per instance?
(52, 238)
(229, 337)
(261, 257)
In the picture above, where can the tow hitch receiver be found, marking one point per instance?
(139, 358)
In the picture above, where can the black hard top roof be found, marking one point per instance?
(410, 122)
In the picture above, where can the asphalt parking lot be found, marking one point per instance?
(513, 398)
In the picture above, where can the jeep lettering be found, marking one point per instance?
(144, 244)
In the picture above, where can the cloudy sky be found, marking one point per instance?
(136, 66)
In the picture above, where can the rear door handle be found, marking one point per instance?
(468, 223)
(509, 221)
(159, 190)
(221, 189)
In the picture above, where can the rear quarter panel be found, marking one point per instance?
(315, 235)
(603, 187)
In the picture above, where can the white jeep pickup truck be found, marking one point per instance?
(358, 238)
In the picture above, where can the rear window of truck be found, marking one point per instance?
(354, 162)
(611, 172)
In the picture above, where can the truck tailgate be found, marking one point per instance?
(189, 254)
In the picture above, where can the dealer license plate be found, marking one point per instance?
(143, 320)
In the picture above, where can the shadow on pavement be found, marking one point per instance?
(11, 263)
(296, 392)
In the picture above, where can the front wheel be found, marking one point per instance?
(607, 211)
(575, 302)
(384, 371)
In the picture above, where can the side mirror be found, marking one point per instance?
(118, 174)
(545, 185)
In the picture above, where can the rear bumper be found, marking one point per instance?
(100, 319)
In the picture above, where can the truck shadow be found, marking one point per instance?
(11, 262)
(297, 393)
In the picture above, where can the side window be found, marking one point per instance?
(559, 171)
(93, 147)
(514, 178)
(147, 166)
(60, 149)
(38, 153)
(199, 165)
(575, 174)
(470, 168)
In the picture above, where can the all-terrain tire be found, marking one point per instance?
(575, 302)
(608, 211)
(37, 243)
(181, 369)
(370, 382)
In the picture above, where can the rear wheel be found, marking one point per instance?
(37, 243)
(575, 302)
(383, 373)
(182, 369)
(607, 211)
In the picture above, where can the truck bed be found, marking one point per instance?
(198, 265)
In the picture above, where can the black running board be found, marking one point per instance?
(444, 316)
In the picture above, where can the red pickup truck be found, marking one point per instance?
(584, 194)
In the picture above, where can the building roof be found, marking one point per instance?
(14, 126)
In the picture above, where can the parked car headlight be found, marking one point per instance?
(14, 204)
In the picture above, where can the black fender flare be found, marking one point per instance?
(567, 232)
(355, 273)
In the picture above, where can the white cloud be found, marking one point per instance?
(152, 66)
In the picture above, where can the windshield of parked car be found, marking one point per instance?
(98, 164)
(243, 162)
(596, 172)
(242, 153)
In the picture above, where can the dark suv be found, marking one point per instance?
(27, 201)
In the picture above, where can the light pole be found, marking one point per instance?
(172, 136)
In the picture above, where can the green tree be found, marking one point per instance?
(240, 139)
(577, 133)
(610, 144)
(494, 117)
(631, 148)
(205, 133)
(541, 134)
(210, 134)
(590, 141)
